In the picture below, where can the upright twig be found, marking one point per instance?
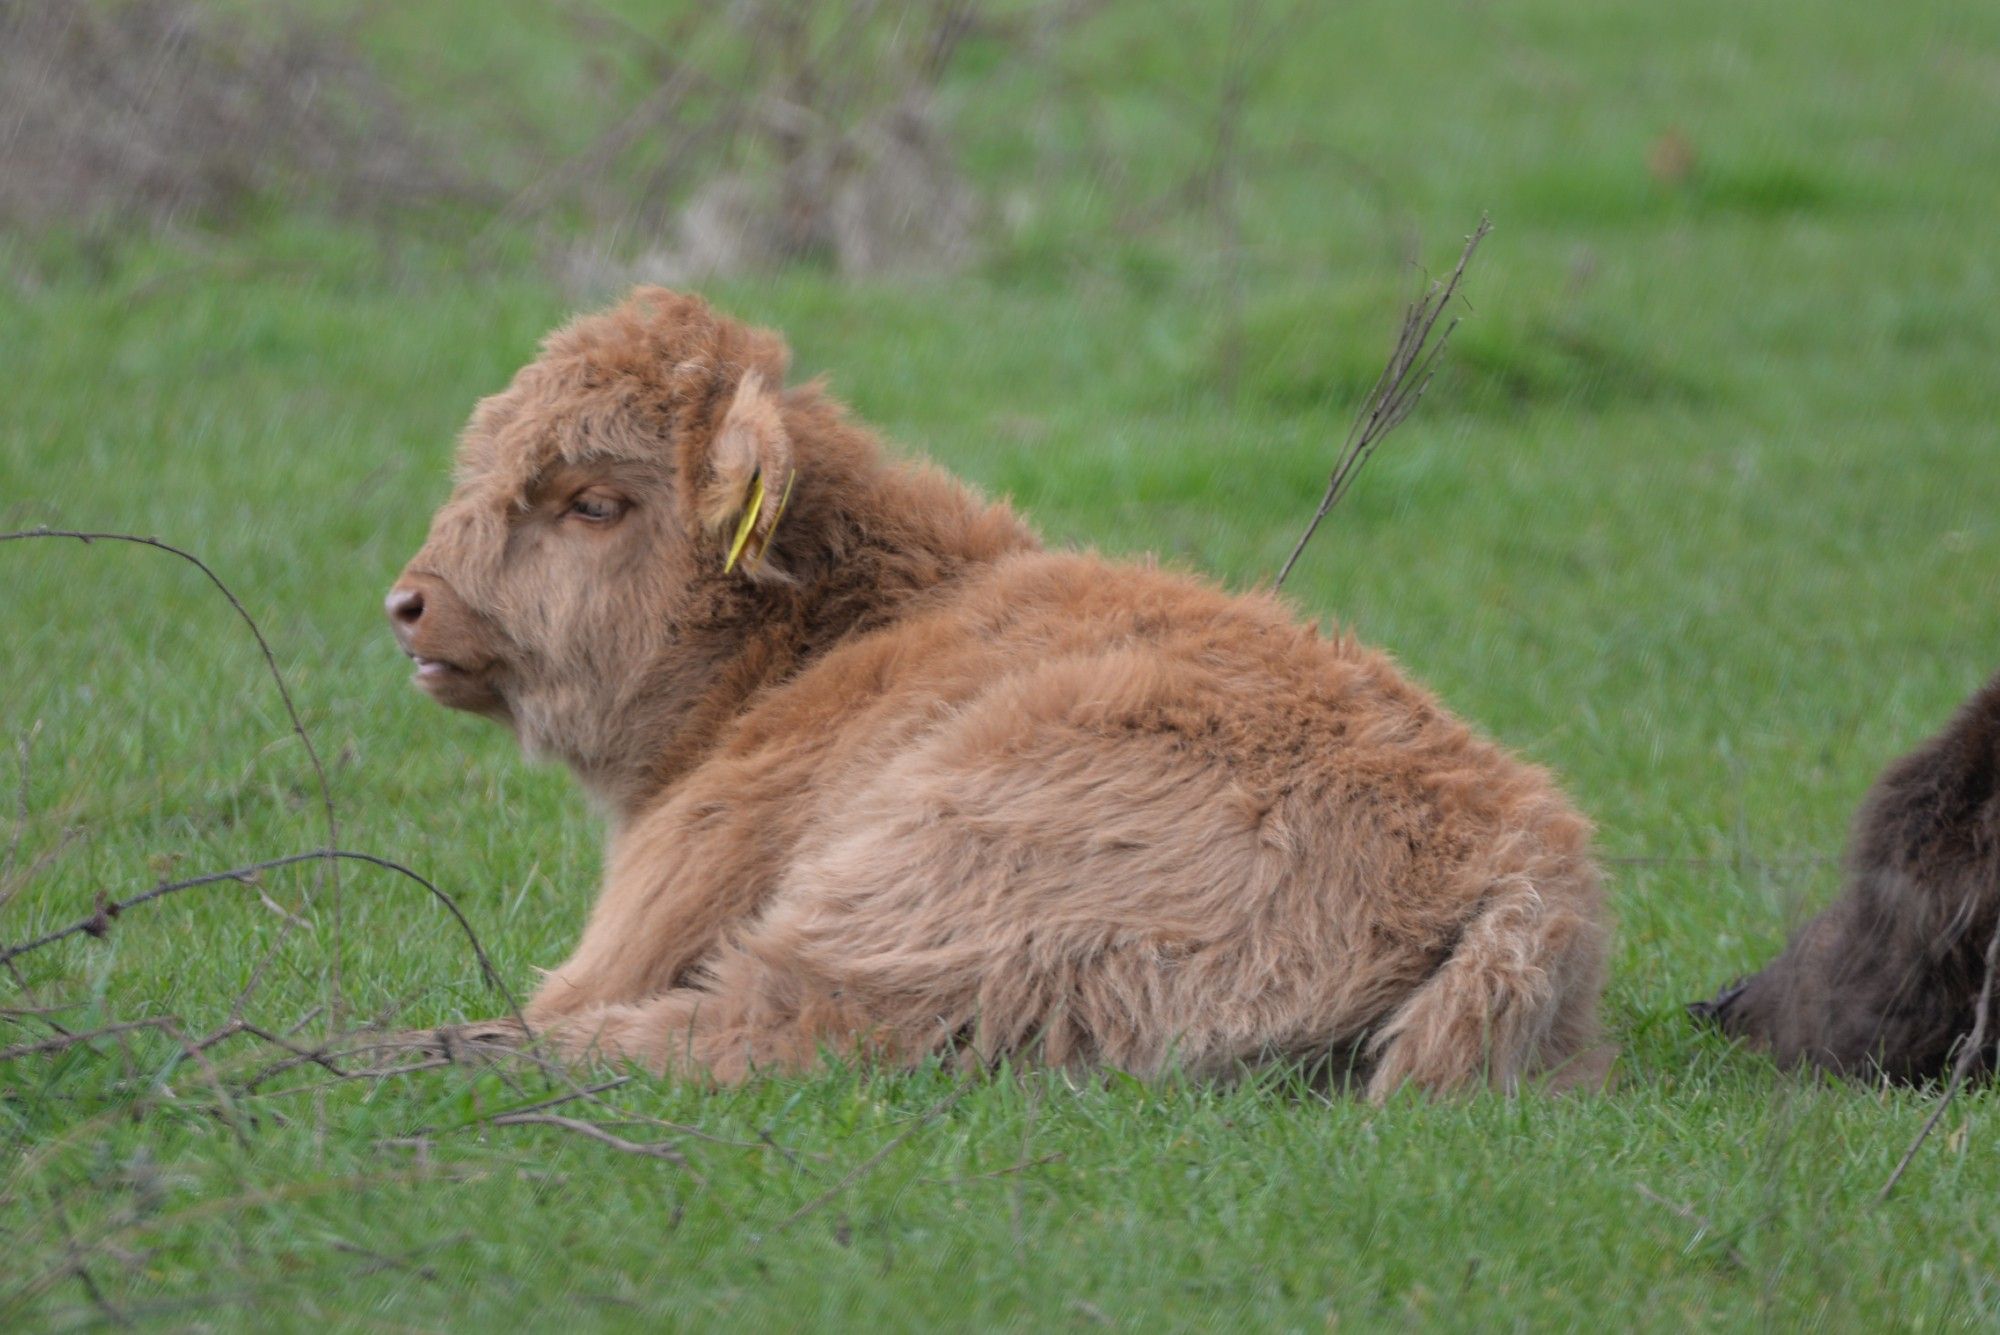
(1968, 1057)
(648, 1149)
(1412, 363)
(25, 750)
(1216, 187)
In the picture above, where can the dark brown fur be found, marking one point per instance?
(1885, 980)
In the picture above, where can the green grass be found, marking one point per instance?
(1705, 515)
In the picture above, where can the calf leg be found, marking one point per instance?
(750, 1014)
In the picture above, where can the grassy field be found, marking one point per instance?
(1705, 515)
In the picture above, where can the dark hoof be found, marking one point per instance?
(1715, 1010)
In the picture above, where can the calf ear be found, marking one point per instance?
(749, 480)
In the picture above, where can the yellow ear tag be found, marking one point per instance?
(748, 522)
(784, 499)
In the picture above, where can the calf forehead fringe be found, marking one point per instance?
(654, 371)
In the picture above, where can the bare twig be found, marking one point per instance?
(553, 1101)
(98, 923)
(25, 748)
(868, 1165)
(277, 679)
(764, 1140)
(1702, 1223)
(9, 887)
(61, 1042)
(1412, 363)
(1968, 1057)
(592, 1131)
(81, 1269)
(225, 1106)
(14, 1302)
(1054, 1156)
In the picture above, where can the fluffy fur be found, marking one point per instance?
(1887, 978)
(908, 783)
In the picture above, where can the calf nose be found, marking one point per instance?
(405, 607)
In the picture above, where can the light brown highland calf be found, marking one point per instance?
(898, 781)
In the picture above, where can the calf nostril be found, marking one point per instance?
(405, 606)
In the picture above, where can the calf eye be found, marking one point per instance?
(596, 507)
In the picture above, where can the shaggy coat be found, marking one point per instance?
(1886, 980)
(884, 776)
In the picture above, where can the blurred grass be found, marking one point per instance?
(1704, 516)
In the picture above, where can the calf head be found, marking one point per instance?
(611, 521)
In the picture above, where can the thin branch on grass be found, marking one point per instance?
(99, 923)
(1412, 363)
(25, 749)
(1975, 1047)
(15, 1014)
(1054, 1156)
(764, 1137)
(63, 1042)
(1702, 1223)
(277, 679)
(81, 1269)
(28, 874)
(765, 1140)
(869, 1164)
(13, 1303)
(553, 1101)
(322, 1055)
(592, 1131)
(347, 1076)
(406, 1262)
(225, 1106)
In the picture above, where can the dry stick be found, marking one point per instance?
(277, 679)
(1412, 363)
(32, 872)
(98, 923)
(553, 1101)
(81, 1269)
(592, 1131)
(209, 1207)
(764, 1138)
(62, 1041)
(350, 1074)
(1974, 1048)
(25, 747)
(301, 1056)
(195, 1052)
(225, 1106)
(1702, 1224)
(1055, 1156)
(867, 1165)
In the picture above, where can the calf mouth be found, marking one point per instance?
(456, 685)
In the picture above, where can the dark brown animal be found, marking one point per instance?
(885, 776)
(1885, 981)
